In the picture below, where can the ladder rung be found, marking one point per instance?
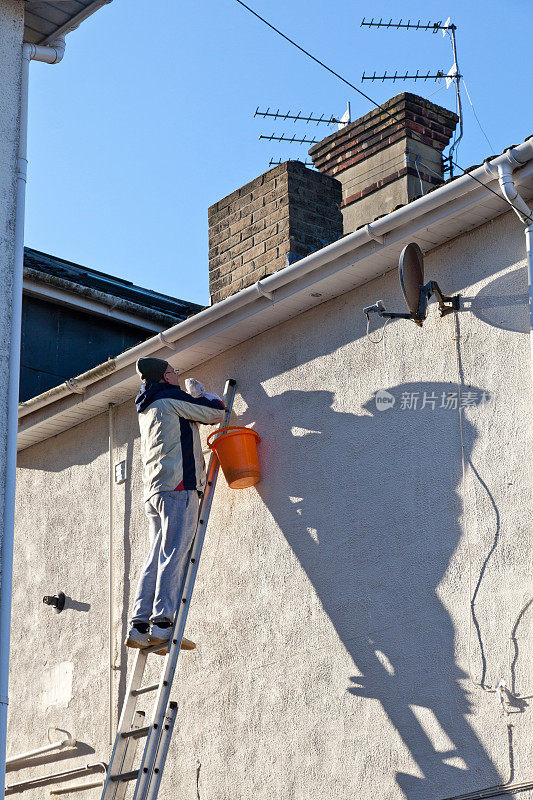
(136, 733)
(125, 776)
(144, 689)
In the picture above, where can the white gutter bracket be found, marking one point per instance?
(371, 235)
(74, 386)
(263, 292)
(166, 343)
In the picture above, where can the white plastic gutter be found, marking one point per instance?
(271, 288)
(513, 160)
(51, 55)
(48, 748)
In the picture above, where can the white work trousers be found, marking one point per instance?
(172, 520)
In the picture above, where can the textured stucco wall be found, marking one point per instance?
(331, 609)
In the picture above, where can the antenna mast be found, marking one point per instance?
(451, 33)
(453, 74)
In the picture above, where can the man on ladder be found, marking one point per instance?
(173, 476)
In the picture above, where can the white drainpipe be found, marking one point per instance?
(505, 177)
(51, 55)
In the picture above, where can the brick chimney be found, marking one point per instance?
(283, 215)
(376, 158)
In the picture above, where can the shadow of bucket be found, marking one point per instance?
(236, 450)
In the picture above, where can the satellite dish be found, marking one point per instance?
(415, 291)
(411, 269)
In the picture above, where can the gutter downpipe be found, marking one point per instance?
(525, 214)
(374, 234)
(51, 55)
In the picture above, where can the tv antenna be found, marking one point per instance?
(275, 162)
(296, 117)
(416, 293)
(299, 117)
(406, 77)
(341, 122)
(452, 76)
(283, 138)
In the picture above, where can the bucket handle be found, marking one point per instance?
(229, 428)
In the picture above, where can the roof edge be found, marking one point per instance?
(302, 274)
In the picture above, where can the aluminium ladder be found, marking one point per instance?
(131, 725)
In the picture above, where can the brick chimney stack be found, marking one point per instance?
(378, 159)
(285, 214)
(365, 170)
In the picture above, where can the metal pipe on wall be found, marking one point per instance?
(77, 787)
(110, 573)
(55, 776)
(52, 55)
(12, 406)
(48, 748)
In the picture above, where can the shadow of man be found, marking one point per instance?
(370, 505)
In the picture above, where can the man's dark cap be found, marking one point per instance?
(151, 369)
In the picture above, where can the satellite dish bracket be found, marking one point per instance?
(415, 291)
(379, 308)
(447, 304)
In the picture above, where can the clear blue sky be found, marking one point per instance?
(149, 118)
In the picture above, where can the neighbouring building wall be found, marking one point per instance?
(59, 343)
(332, 604)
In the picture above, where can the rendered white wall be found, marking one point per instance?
(331, 609)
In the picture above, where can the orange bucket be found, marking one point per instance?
(236, 450)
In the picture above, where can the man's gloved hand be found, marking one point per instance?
(197, 389)
(194, 387)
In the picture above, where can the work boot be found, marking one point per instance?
(186, 644)
(161, 633)
(138, 635)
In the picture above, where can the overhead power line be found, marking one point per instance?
(415, 134)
